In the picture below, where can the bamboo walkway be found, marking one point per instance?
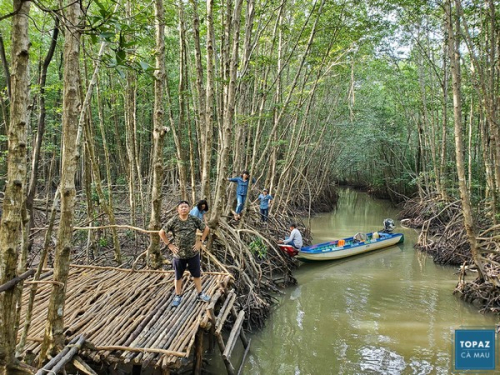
(127, 315)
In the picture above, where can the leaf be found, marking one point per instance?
(120, 57)
(120, 72)
(107, 35)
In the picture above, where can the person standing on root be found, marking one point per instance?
(295, 238)
(241, 192)
(185, 247)
(265, 200)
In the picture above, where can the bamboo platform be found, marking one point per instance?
(127, 315)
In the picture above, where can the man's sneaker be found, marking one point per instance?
(177, 301)
(203, 297)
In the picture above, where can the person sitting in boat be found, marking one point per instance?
(295, 238)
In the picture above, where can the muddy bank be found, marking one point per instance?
(443, 236)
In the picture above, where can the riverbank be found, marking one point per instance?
(390, 311)
(444, 237)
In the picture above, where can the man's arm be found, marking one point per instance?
(163, 236)
(293, 234)
(170, 245)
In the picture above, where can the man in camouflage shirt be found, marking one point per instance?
(185, 247)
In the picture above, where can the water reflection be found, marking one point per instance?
(387, 312)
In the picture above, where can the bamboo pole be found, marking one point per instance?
(231, 341)
(76, 342)
(224, 312)
(142, 350)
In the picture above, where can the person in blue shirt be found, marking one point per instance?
(241, 191)
(265, 200)
(200, 210)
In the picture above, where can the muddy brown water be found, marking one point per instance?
(387, 312)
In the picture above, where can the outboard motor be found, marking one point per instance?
(388, 226)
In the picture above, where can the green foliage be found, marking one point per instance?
(103, 241)
(121, 180)
(95, 195)
(258, 248)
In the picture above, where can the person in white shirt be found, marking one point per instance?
(295, 238)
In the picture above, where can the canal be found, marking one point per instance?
(387, 312)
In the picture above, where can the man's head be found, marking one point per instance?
(293, 226)
(183, 208)
(265, 191)
(245, 174)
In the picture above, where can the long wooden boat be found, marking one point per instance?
(347, 247)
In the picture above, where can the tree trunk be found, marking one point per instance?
(54, 328)
(14, 216)
(210, 110)
(183, 87)
(200, 116)
(41, 123)
(158, 136)
(454, 54)
(130, 134)
(109, 203)
(443, 175)
(228, 117)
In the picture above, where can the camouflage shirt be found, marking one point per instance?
(184, 232)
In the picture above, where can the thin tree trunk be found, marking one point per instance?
(443, 176)
(92, 236)
(109, 204)
(228, 116)
(14, 216)
(130, 135)
(42, 264)
(5, 65)
(210, 110)
(41, 122)
(104, 202)
(113, 108)
(158, 136)
(453, 50)
(179, 135)
(54, 328)
(200, 116)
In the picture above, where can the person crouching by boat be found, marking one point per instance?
(295, 238)
(185, 247)
(200, 210)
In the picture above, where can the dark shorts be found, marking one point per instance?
(192, 264)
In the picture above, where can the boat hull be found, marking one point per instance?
(331, 250)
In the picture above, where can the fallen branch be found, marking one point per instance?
(9, 284)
